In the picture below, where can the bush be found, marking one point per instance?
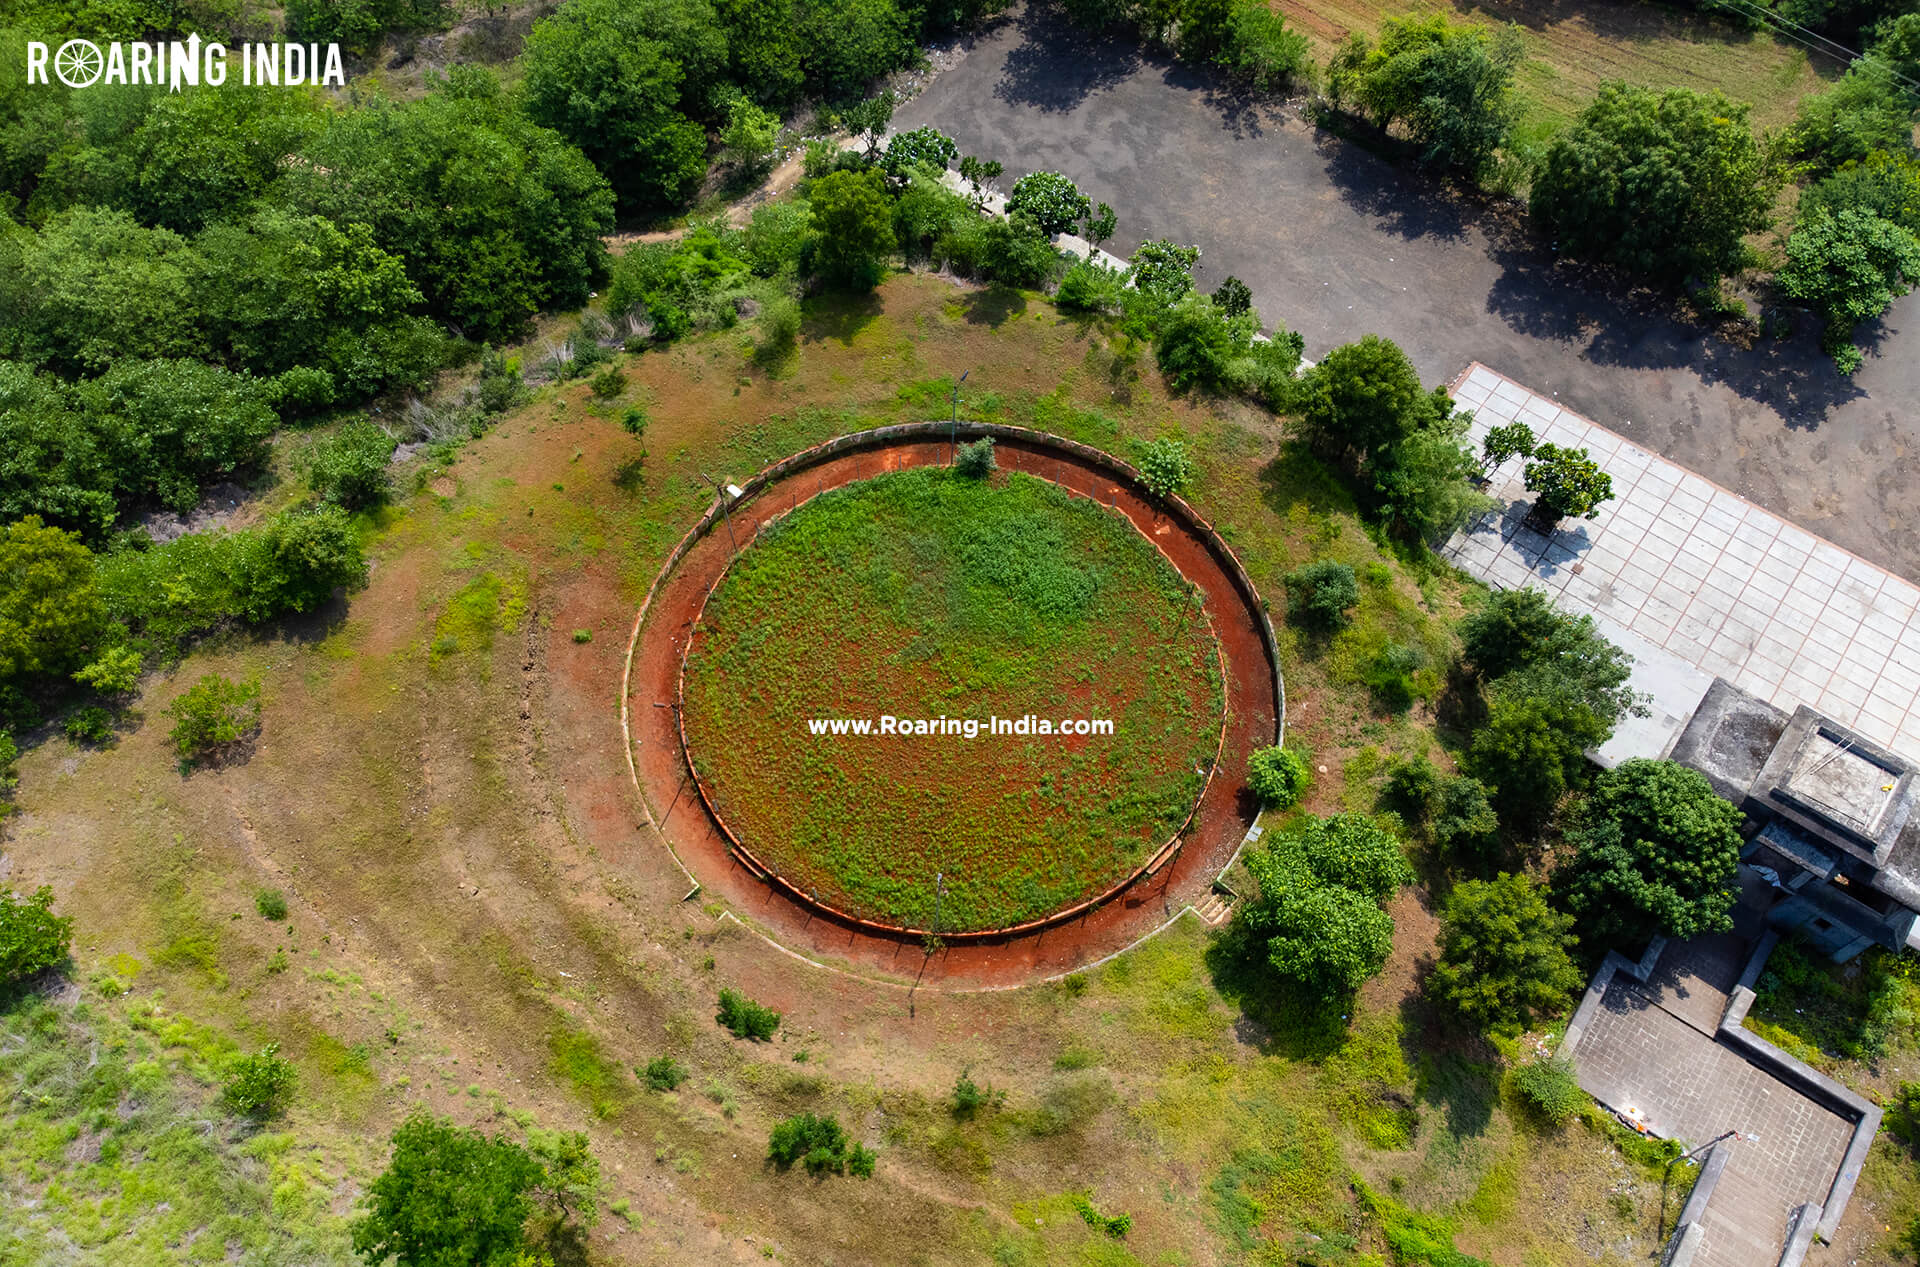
(259, 1085)
(1412, 784)
(1550, 1088)
(1463, 817)
(969, 1097)
(1162, 271)
(1198, 346)
(975, 459)
(750, 136)
(1569, 483)
(664, 1073)
(271, 903)
(745, 1018)
(349, 469)
(1260, 51)
(1016, 252)
(1050, 200)
(115, 672)
(779, 330)
(608, 383)
(818, 1143)
(1165, 467)
(1090, 286)
(212, 714)
(1389, 675)
(1278, 777)
(32, 938)
(91, 724)
(1503, 954)
(1321, 593)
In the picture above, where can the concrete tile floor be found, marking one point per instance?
(1698, 583)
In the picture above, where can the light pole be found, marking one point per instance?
(953, 422)
(726, 510)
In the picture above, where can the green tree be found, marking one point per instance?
(1277, 776)
(1463, 817)
(1324, 938)
(1051, 200)
(1162, 271)
(929, 147)
(1352, 851)
(750, 136)
(1423, 487)
(1665, 185)
(449, 1195)
(853, 224)
(765, 47)
(1233, 297)
(1504, 957)
(1849, 266)
(1521, 639)
(868, 119)
(212, 714)
(1654, 851)
(50, 608)
(603, 74)
(1883, 185)
(1532, 747)
(32, 938)
(1197, 345)
(980, 173)
(1868, 111)
(1260, 50)
(495, 216)
(1510, 440)
(1364, 398)
(1570, 484)
(1450, 85)
(851, 43)
(295, 561)
(167, 428)
(116, 672)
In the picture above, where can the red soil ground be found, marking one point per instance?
(674, 805)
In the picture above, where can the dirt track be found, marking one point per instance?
(1220, 822)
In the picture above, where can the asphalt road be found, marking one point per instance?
(1337, 243)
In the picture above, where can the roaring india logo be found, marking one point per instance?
(189, 62)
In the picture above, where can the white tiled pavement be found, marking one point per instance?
(1697, 583)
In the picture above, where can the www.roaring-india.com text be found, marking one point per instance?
(960, 727)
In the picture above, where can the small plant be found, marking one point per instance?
(663, 1073)
(1570, 484)
(1549, 1087)
(1278, 777)
(350, 468)
(969, 1097)
(583, 635)
(820, 1144)
(271, 903)
(975, 459)
(214, 713)
(259, 1085)
(116, 672)
(609, 382)
(1114, 1225)
(1389, 675)
(746, 1019)
(1513, 440)
(1322, 592)
(634, 422)
(32, 937)
(1165, 467)
(92, 724)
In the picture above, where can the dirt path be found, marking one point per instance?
(1219, 823)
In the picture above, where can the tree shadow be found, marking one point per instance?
(631, 475)
(1057, 66)
(992, 306)
(1458, 1071)
(1399, 198)
(838, 316)
(1295, 476)
(1277, 1018)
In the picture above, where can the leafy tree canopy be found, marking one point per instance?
(1665, 185)
(1849, 266)
(853, 221)
(449, 1195)
(1503, 954)
(1450, 84)
(50, 609)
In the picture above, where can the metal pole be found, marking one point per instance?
(953, 423)
(726, 510)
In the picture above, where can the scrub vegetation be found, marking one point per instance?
(928, 594)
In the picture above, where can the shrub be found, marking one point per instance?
(1197, 346)
(745, 1018)
(975, 459)
(349, 469)
(1050, 200)
(609, 382)
(1090, 286)
(1412, 783)
(1016, 252)
(1503, 954)
(582, 636)
(91, 724)
(1321, 593)
(1463, 817)
(1550, 1088)
(928, 147)
(1162, 271)
(634, 421)
(1389, 675)
(115, 672)
(664, 1073)
(212, 714)
(32, 938)
(1277, 776)
(1165, 467)
(1260, 51)
(853, 221)
(1514, 439)
(1115, 1225)
(259, 1085)
(818, 1143)
(271, 903)
(304, 389)
(779, 330)
(1233, 298)
(969, 1097)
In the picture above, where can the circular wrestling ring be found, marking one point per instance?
(1178, 871)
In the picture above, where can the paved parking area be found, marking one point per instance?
(1709, 581)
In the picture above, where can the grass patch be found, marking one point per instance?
(578, 1061)
(921, 594)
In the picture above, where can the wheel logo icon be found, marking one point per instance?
(78, 63)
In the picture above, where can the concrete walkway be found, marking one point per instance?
(1695, 582)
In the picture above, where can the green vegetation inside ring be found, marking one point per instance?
(924, 594)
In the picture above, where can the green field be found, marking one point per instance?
(925, 594)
